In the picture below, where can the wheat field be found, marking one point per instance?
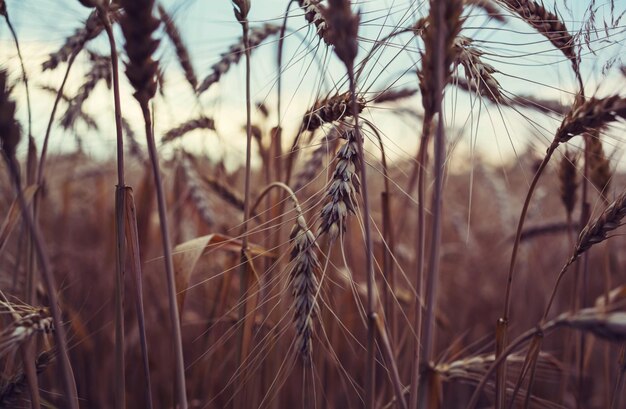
(312, 204)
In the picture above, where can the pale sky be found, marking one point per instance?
(526, 62)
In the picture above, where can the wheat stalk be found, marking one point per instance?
(138, 25)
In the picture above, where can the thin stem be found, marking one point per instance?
(427, 341)
(49, 282)
(120, 208)
(169, 265)
(503, 322)
(369, 256)
(419, 251)
(46, 139)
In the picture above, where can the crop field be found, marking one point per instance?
(312, 204)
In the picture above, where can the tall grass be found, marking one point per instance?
(351, 247)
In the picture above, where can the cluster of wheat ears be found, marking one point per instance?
(324, 276)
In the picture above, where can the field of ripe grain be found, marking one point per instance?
(312, 204)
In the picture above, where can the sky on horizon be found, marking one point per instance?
(527, 65)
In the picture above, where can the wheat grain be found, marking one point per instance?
(74, 43)
(198, 196)
(330, 109)
(599, 165)
(188, 126)
(179, 46)
(9, 128)
(343, 188)
(138, 24)
(314, 12)
(597, 230)
(548, 24)
(100, 71)
(392, 95)
(235, 52)
(304, 284)
(568, 181)
(589, 115)
(478, 73)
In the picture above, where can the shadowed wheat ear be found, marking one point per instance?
(74, 43)
(181, 50)
(198, 196)
(599, 164)
(392, 95)
(9, 128)
(435, 45)
(343, 188)
(12, 390)
(227, 193)
(138, 25)
(568, 181)
(256, 36)
(330, 109)
(304, 283)
(188, 126)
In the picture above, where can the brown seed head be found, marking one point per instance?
(599, 165)
(343, 30)
(597, 230)
(451, 11)
(314, 13)
(568, 178)
(255, 37)
(548, 24)
(329, 110)
(343, 188)
(304, 284)
(585, 116)
(138, 24)
(179, 46)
